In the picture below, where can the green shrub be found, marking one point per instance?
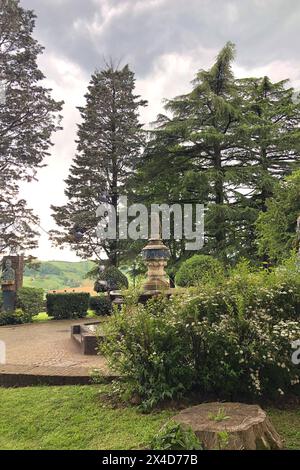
(199, 269)
(100, 304)
(232, 340)
(246, 291)
(17, 317)
(68, 305)
(31, 300)
(236, 359)
(173, 436)
(114, 278)
(148, 350)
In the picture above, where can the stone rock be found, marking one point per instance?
(230, 426)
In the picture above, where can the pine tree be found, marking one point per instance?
(225, 144)
(272, 134)
(28, 117)
(276, 227)
(195, 156)
(109, 144)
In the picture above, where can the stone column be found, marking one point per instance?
(12, 282)
(156, 256)
(18, 266)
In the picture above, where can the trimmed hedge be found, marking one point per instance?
(68, 305)
(100, 304)
(18, 317)
(197, 270)
(31, 300)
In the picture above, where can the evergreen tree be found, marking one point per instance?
(225, 144)
(195, 156)
(276, 227)
(28, 116)
(272, 134)
(110, 138)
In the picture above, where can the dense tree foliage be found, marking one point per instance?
(110, 138)
(277, 226)
(225, 144)
(272, 134)
(28, 117)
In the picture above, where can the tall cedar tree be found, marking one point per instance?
(272, 135)
(110, 139)
(226, 144)
(28, 116)
(194, 157)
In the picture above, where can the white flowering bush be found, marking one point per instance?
(243, 293)
(239, 358)
(232, 340)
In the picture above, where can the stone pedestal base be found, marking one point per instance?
(9, 300)
(156, 276)
(243, 427)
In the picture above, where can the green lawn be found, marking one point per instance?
(72, 417)
(44, 317)
(287, 423)
(78, 417)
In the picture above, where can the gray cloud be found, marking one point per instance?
(140, 31)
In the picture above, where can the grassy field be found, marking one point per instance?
(79, 417)
(56, 275)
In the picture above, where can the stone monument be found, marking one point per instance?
(156, 256)
(11, 280)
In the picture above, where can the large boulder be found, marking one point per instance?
(232, 426)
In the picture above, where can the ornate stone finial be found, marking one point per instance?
(155, 227)
(156, 256)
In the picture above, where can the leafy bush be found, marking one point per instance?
(31, 300)
(68, 305)
(236, 358)
(246, 291)
(114, 278)
(199, 269)
(173, 436)
(148, 351)
(233, 340)
(17, 317)
(100, 304)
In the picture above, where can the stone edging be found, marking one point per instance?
(25, 376)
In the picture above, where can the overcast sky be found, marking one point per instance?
(165, 42)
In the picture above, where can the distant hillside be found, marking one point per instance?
(58, 275)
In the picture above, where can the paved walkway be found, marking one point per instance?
(45, 352)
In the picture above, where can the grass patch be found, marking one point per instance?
(71, 418)
(287, 424)
(79, 417)
(43, 316)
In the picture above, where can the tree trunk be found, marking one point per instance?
(230, 426)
